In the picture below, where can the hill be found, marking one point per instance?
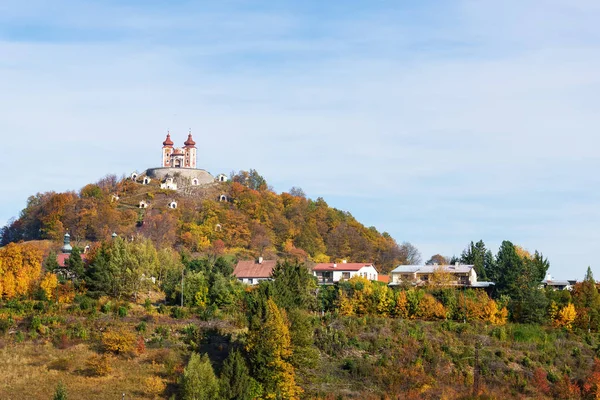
(249, 217)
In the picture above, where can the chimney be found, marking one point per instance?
(344, 261)
(334, 265)
(260, 260)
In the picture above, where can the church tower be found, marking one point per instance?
(189, 152)
(167, 150)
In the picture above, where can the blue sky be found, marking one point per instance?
(438, 122)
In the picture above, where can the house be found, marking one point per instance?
(455, 275)
(254, 271)
(554, 284)
(328, 273)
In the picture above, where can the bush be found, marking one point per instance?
(141, 327)
(119, 341)
(106, 307)
(122, 311)
(154, 386)
(177, 312)
(99, 365)
(60, 364)
(6, 324)
(61, 392)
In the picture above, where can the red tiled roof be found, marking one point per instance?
(168, 142)
(252, 269)
(189, 142)
(341, 266)
(62, 257)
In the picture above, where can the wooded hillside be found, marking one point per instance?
(253, 220)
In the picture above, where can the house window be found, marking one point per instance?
(345, 275)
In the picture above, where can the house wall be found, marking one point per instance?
(338, 274)
(252, 281)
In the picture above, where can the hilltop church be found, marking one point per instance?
(179, 157)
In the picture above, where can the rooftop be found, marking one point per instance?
(341, 266)
(254, 269)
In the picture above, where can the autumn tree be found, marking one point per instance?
(270, 350)
(20, 269)
(437, 259)
(586, 300)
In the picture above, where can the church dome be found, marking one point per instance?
(189, 141)
(168, 141)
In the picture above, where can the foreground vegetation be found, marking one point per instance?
(99, 352)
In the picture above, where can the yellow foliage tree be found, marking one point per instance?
(382, 297)
(344, 304)
(566, 317)
(401, 305)
(20, 269)
(441, 277)
(49, 284)
(430, 308)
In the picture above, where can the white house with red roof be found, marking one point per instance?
(254, 271)
(327, 273)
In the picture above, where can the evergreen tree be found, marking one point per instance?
(51, 264)
(294, 286)
(507, 269)
(74, 264)
(483, 260)
(61, 392)
(519, 278)
(199, 381)
(270, 349)
(235, 381)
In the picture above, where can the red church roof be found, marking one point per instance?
(63, 257)
(189, 142)
(168, 142)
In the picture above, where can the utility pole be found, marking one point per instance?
(182, 286)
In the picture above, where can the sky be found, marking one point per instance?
(440, 122)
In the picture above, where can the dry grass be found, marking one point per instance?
(27, 372)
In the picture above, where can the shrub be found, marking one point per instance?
(141, 327)
(140, 347)
(119, 341)
(5, 324)
(60, 364)
(154, 386)
(99, 365)
(177, 312)
(106, 307)
(61, 392)
(122, 311)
